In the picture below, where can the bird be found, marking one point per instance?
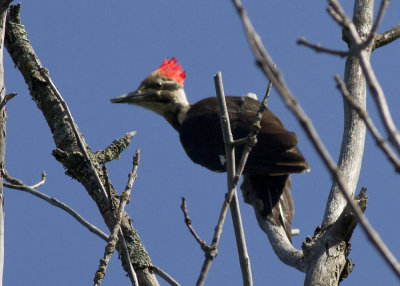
(273, 158)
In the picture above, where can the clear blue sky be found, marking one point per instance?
(96, 50)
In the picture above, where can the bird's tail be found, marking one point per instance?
(271, 197)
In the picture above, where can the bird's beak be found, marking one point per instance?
(131, 97)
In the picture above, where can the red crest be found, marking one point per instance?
(173, 70)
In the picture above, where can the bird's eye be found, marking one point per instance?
(158, 84)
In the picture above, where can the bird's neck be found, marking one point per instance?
(179, 111)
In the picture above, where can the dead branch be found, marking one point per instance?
(17, 184)
(320, 49)
(387, 37)
(68, 151)
(117, 232)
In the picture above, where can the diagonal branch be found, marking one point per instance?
(379, 18)
(380, 141)
(112, 151)
(373, 84)
(19, 185)
(116, 231)
(68, 151)
(266, 64)
(188, 222)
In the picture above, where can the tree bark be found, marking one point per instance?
(353, 139)
(68, 152)
(327, 252)
(3, 117)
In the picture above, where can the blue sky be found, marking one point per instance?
(97, 50)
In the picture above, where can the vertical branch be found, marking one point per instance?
(3, 13)
(324, 247)
(353, 139)
(230, 199)
(231, 173)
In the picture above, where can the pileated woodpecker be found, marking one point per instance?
(271, 160)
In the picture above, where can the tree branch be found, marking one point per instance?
(267, 66)
(379, 18)
(165, 276)
(17, 184)
(380, 141)
(3, 118)
(112, 151)
(117, 232)
(320, 49)
(230, 199)
(387, 37)
(188, 222)
(357, 49)
(68, 151)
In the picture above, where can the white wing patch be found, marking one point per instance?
(252, 95)
(222, 159)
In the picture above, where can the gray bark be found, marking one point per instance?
(353, 139)
(68, 151)
(3, 117)
(327, 251)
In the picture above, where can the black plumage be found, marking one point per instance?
(273, 157)
(266, 183)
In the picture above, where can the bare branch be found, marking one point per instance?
(3, 116)
(279, 241)
(267, 66)
(165, 276)
(6, 99)
(68, 151)
(125, 254)
(17, 184)
(41, 182)
(188, 222)
(320, 49)
(380, 141)
(112, 151)
(379, 18)
(374, 86)
(252, 137)
(109, 250)
(230, 199)
(387, 37)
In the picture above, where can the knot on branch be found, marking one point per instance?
(332, 243)
(210, 251)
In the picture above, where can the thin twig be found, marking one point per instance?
(380, 141)
(17, 184)
(78, 136)
(188, 222)
(41, 182)
(165, 276)
(379, 18)
(230, 199)
(373, 84)
(267, 66)
(128, 262)
(252, 137)
(109, 250)
(320, 49)
(6, 99)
